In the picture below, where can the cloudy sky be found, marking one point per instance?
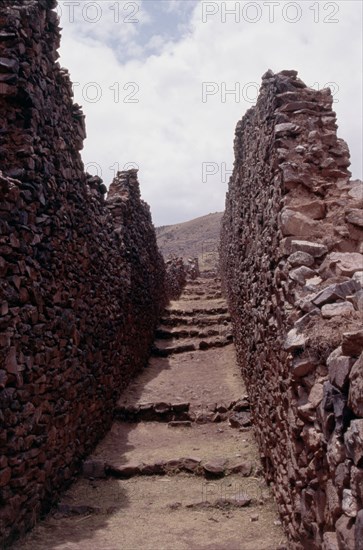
(164, 82)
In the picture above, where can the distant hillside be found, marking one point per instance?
(195, 238)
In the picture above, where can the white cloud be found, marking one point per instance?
(170, 132)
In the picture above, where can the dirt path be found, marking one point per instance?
(179, 469)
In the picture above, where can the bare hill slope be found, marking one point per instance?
(198, 238)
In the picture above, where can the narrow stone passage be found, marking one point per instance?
(179, 469)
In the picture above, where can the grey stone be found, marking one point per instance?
(345, 533)
(301, 258)
(359, 531)
(349, 503)
(316, 394)
(356, 191)
(353, 440)
(358, 276)
(314, 249)
(339, 366)
(337, 309)
(358, 301)
(300, 274)
(286, 128)
(355, 216)
(342, 263)
(295, 340)
(335, 292)
(330, 541)
(355, 397)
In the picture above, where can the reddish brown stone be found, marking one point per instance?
(215, 468)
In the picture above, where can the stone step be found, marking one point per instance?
(156, 448)
(210, 468)
(207, 311)
(199, 378)
(163, 348)
(199, 297)
(236, 412)
(190, 332)
(175, 320)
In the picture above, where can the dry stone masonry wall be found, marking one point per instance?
(291, 256)
(80, 277)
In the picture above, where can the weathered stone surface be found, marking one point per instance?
(352, 343)
(355, 399)
(302, 367)
(359, 531)
(316, 394)
(295, 340)
(314, 249)
(343, 263)
(358, 276)
(358, 301)
(300, 274)
(337, 309)
(349, 504)
(339, 366)
(295, 223)
(191, 464)
(300, 258)
(345, 533)
(335, 292)
(330, 541)
(353, 440)
(356, 191)
(238, 466)
(215, 468)
(314, 209)
(286, 128)
(355, 216)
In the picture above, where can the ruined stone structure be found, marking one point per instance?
(81, 278)
(175, 278)
(291, 256)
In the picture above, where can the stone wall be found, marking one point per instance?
(176, 277)
(80, 277)
(291, 256)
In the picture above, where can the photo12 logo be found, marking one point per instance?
(236, 91)
(93, 12)
(210, 169)
(93, 92)
(254, 12)
(95, 169)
